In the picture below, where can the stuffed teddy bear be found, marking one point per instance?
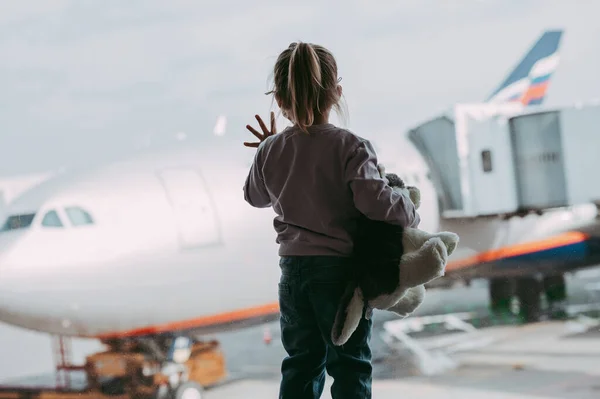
(391, 266)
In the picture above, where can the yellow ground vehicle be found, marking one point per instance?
(140, 369)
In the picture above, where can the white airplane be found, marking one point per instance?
(163, 243)
(158, 242)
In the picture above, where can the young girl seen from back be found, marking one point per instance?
(318, 178)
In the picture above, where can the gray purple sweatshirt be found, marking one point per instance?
(318, 184)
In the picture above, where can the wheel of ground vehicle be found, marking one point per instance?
(189, 390)
(555, 289)
(529, 291)
(501, 291)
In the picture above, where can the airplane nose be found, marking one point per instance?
(8, 239)
(18, 302)
(7, 245)
(13, 273)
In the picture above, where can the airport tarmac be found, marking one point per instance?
(542, 360)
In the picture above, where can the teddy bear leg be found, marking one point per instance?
(368, 313)
(423, 265)
(348, 316)
(410, 301)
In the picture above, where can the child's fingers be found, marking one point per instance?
(262, 125)
(273, 128)
(254, 132)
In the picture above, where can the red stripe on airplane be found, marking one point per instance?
(216, 319)
(510, 251)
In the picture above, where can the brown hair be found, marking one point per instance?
(305, 83)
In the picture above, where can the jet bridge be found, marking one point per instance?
(495, 159)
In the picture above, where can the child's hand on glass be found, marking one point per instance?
(263, 127)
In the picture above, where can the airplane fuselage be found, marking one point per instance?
(171, 239)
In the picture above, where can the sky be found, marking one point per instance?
(82, 79)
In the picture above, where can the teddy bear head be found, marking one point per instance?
(398, 185)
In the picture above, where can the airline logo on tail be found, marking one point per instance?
(528, 82)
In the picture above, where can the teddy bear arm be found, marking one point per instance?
(423, 265)
(413, 239)
(411, 300)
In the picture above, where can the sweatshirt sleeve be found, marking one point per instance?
(255, 192)
(373, 197)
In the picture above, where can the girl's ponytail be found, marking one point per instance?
(304, 85)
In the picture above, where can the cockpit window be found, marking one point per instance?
(78, 216)
(51, 219)
(16, 222)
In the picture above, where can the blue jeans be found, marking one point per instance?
(310, 289)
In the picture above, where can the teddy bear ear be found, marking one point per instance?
(415, 196)
(395, 181)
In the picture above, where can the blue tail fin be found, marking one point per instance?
(528, 82)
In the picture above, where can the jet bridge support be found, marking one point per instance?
(432, 355)
(61, 346)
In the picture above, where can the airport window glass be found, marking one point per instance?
(51, 219)
(78, 216)
(16, 222)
